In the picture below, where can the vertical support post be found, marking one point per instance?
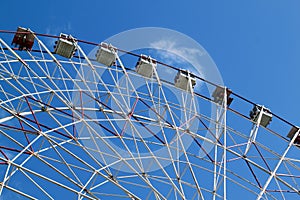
(220, 163)
(225, 145)
(216, 157)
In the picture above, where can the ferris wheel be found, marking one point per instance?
(78, 125)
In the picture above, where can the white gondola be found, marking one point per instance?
(65, 46)
(182, 80)
(145, 66)
(106, 54)
(266, 117)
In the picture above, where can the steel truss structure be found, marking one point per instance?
(77, 129)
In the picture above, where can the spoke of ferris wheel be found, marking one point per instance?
(278, 185)
(46, 163)
(37, 185)
(83, 147)
(61, 157)
(60, 68)
(12, 85)
(261, 168)
(5, 56)
(250, 161)
(32, 71)
(278, 155)
(146, 146)
(5, 102)
(21, 85)
(134, 171)
(135, 131)
(98, 171)
(161, 125)
(169, 150)
(291, 175)
(100, 79)
(124, 113)
(273, 174)
(138, 134)
(14, 53)
(161, 128)
(19, 168)
(17, 191)
(123, 160)
(186, 119)
(182, 146)
(24, 169)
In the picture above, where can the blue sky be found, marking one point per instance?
(255, 44)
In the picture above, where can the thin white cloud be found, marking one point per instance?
(174, 53)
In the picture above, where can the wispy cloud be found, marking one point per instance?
(174, 53)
